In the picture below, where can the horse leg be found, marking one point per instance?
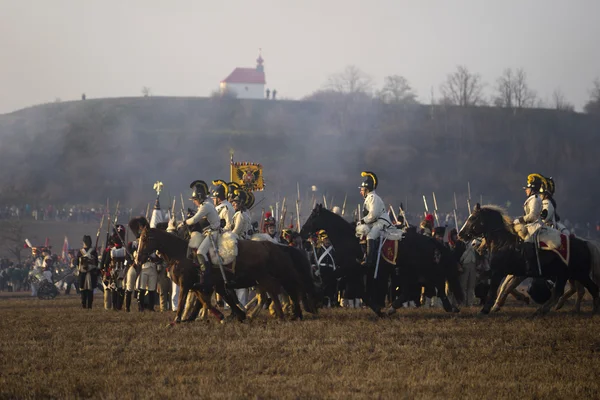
(495, 280)
(205, 299)
(591, 286)
(231, 299)
(557, 292)
(441, 293)
(181, 303)
(509, 284)
(580, 293)
(256, 305)
(573, 288)
(195, 309)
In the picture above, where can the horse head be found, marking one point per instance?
(314, 222)
(147, 244)
(484, 221)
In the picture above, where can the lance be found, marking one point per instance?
(435, 208)
(344, 205)
(325, 202)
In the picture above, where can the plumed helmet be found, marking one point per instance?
(221, 189)
(286, 234)
(370, 181)
(269, 220)
(240, 197)
(231, 187)
(534, 182)
(87, 240)
(250, 200)
(120, 231)
(322, 234)
(200, 190)
(429, 218)
(548, 186)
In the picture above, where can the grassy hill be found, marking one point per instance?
(86, 151)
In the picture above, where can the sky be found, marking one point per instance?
(59, 49)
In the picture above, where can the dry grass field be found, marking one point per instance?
(53, 349)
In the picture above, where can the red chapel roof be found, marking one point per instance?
(246, 75)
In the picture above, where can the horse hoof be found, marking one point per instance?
(484, 311)
(495, 309)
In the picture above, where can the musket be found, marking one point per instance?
(358, 214)
(262, 220)
(325, 202)
(394, 214)
(344, 205)
(425, 202)
(455, 203)
(98, 233)
(403, 215)
(147, 210)
(469, 196)
(456, 221)
(282, 222)
(298, 214)
(435, 208)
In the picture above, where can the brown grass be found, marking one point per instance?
(54, 349)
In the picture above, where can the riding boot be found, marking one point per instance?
(115, 299)
(205, 266)
(531, 263)
(151, 297)
(371, 253)
(141, 299)
(128, 296)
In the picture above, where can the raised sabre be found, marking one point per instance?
(219, 260)
(381, 242)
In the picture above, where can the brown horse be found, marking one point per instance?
(260, 264)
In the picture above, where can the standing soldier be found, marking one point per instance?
(427, 226)
(148, 280)
(87, 265)
(531, 221)
(223, 206)
(114, 261)
(164, 286)
(131, 277)
(325, 260)
(376, 218)
(200, 240)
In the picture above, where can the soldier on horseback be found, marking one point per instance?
(224, 208)
(241, 219)
(375, 216)
(531, 220)
(199, 238)
(549, 215)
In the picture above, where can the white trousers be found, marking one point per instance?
(202, 243)
(375, 229)
(148, 279)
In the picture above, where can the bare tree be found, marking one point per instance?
(396, 89)
(352, 80)
(462, 88)
(593, 104)
(559, 101)
(146, 91)
(12, 235)
(523, 96)
(512, 90)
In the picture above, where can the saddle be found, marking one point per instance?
(550, 239)
(227, 249)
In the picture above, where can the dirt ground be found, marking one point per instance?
(54, 349)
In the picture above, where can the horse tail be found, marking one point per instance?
(302, 266)
(594, 248)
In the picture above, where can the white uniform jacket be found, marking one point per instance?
(241, 224)
(226, 212)
(377, 218)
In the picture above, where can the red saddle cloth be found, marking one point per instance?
(563, 251)
(389, 251)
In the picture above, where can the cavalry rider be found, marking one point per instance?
(531, 220)
(199, 237)
(427, 226)
(87, 265)
(241, 219)
(224, 208)
(270, 228)
(376, 218)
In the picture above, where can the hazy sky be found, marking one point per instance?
(110, 48)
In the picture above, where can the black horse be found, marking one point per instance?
(421, 261)
(493, 224)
